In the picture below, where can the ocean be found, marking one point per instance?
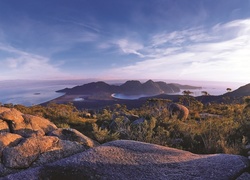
(31, 92)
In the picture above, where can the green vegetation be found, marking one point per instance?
(210, 128)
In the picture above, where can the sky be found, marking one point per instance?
(199, 40)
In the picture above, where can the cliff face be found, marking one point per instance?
(128, 88)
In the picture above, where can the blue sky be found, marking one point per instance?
(205, 40)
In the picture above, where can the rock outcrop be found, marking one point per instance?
(30, 141)
(124, 159)
(73, 135)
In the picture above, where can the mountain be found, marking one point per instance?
(90, 88)
(137, 88)
(168, 88)
(132, 87)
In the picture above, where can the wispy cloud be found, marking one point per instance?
(23, 65)
(129, 47)
(176, 38)
(93, 27)
(47, 39)
(218, 53)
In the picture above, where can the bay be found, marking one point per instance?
(32, 92)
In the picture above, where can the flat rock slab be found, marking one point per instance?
(124, 159)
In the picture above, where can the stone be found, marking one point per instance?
(40, 149)
(21, 156)
(244, 176)
(133, 117)
(5, 171)
(3, 109)
(26, 152)
(4, 126)
(128, 159)
(208, 115)
(8, 140)
(74, 135)
(24, 124)
(25, 141)
(35, 152)
(63, 149)
(12, 114)
(247, 147)
(138, 121)
(39, 125)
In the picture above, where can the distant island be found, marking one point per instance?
(99, 94)
(132, 87)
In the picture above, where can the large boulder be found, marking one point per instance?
(29, 141)
(4, 127)
(74, 135)
(125, 159)
(8, 140)
(26, 152)
(24, 124)
(63, 149)
(39, 124)
(12, 114)
(3, 109)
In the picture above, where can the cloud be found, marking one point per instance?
(176, 38)
(23, 65)
(219, 53)
(38, 50)
(129, 47)
(87, 26)
(41, 37)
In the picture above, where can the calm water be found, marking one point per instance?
(196, 92)
(32, 92)
(35, 92)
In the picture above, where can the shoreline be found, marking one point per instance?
(27, 94)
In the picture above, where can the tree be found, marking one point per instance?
(187, 92)
(205, 93)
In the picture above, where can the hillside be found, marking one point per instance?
(240, 92)
(90, 88)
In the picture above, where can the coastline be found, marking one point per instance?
(40, 92)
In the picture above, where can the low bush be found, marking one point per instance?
(226, 133)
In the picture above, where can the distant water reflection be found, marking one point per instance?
(195, 92)
(130, 97)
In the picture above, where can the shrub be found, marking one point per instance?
(104, 135)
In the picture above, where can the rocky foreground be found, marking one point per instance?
(34, 148)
